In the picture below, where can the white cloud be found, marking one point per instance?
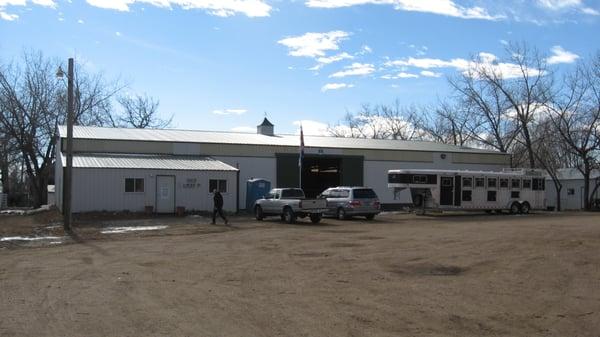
(314, 44)
(336, 86)
(334, 58)
(561, 5)
(80, 21)
(399, 75)
(246, 129)
(428, 73)
(441, 7)
(560, 55)
(230, 112)
(118, 33)
(504, 42)
(365, 50)
(486, 60)
(223, 8)
(12, 17)
(311, 128)
(355, 69)
(590, 11)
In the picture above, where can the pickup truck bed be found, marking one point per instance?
(289, 204)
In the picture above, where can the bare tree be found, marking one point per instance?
(141, 112)
(446, 123)
(489, 122)
(32, 105)
(378, 122)
(576, 116)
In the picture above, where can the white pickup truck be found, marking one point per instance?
(289, 204)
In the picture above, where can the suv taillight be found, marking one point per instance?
(354, 203)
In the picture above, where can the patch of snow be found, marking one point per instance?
(115, 230)
(28, 238)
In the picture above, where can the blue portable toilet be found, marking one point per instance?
(256, 188)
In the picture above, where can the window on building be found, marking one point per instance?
(419, 179)
(479, 182)
(527, 183)
(467, 195)
(491, 182)
(467, 182)
(447, 182)
(515, 194)
(570, 191)
(134, 185)
(515, 183)
(491, 196)
(217, 184)
(503, 183)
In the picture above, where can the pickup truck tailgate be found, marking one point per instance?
(314, 204)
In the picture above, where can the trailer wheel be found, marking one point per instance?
(418, 200)
(288, 215)
(515, 208)
(258, 213)
(315, 218)
(525, 208)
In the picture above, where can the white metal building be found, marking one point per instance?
(106, 157)
(572, 192)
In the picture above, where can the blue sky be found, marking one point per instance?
(220, 65)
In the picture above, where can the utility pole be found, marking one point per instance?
(68, 176)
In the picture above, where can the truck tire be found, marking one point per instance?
(316, 218)
(370, 216)
(288, 215)
(258, 213)
(515, 208)
(525, 208)
(341, 214)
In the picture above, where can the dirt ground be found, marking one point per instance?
(400, 275)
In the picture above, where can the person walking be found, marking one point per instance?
(218, 207)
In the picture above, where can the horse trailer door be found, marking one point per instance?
(447, 191)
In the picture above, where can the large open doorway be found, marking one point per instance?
(319, 174)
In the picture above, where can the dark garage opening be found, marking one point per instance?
(319, 172)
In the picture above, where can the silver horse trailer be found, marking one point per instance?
(518, 191)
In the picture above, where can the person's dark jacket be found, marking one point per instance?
(218, 200)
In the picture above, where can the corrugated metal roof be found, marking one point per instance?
(138, 161)
(215, 137)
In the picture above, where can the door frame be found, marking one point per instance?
(451, 193)
(174, 192)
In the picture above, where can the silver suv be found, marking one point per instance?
(345, 202)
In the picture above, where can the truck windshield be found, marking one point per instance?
(364, 193)
(294, 193)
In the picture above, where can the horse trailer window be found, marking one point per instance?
(467, 182)
(515, 183)
(479, 182)
(503, 183)
(515, 194)
(491, 182)
(527, 183)
(539, 184)
(467, 195)
(491, 196)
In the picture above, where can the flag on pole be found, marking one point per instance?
(301, 147)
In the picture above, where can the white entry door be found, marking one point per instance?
(165, 194)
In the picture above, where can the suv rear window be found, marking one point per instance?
(364, 193)
(292, 194)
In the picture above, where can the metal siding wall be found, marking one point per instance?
(376, 175)
(104, 189)
(252, 167)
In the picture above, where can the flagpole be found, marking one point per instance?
(300, 157)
